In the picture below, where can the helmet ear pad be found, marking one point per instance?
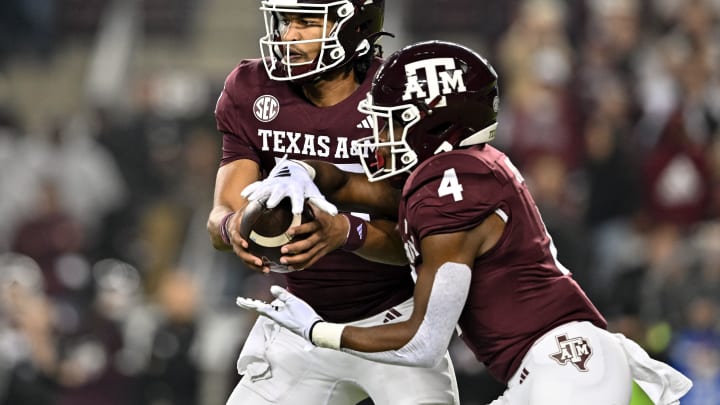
(438, 125)
(365, 25)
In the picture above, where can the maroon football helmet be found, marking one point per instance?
(428, 98)
(357, 25)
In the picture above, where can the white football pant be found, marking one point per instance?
(280, 367)
(575, 363)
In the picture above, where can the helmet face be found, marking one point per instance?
(427, 98)
(349, 30)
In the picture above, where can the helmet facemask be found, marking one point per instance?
(387, 151)
(276, 52)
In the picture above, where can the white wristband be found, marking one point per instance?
(309, 169)
(325, 334)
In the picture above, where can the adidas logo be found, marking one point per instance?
(367, 123)
(284, 172)
(359, 231)
(523, 375)
(391, 314)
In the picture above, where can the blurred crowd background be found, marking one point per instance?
(111, 293)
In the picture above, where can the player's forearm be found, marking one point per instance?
(215, 222)
(230, 180)
(353, 191)
(403, 343)
(415, 353)
(383, 243)
(420, 341)
(378, 338)
(328, 178)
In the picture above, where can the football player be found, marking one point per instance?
(484, 259)
(299, 99)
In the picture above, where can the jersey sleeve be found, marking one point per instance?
(456, 193)
(229, 119)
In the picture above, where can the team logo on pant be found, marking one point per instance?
(576, 351)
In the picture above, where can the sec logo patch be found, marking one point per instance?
(266, 108)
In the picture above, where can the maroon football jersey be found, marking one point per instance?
(262, 120)
(519, 290)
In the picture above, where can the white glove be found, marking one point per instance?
(287, 310)
(289, 178)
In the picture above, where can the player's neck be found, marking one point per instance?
(331, 90)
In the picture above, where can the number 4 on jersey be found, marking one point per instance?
(450, 185)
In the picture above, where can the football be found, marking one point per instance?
(265, 229)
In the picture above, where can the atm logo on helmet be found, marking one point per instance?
(441, 77)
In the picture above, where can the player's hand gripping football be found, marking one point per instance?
(291, 179)
(240, 245)
(287, 310)
(322, 235)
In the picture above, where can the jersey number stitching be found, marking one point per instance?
(450, 185)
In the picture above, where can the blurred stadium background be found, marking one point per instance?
(110, 292)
